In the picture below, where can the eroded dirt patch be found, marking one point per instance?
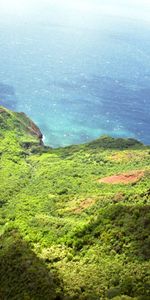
(124, 178)
(84, 204)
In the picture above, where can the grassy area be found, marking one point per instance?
(64, 235)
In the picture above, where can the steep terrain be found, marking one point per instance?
(65, 233)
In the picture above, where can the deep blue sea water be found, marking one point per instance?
(78, 76)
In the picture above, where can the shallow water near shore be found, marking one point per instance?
(77, 74)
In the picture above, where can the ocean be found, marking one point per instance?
(78, 72)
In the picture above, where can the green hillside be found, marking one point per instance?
(65, 234)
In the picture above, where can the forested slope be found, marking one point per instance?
(64, 233)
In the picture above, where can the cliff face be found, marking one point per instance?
(11, 119)
(30, 125)
(66, 233)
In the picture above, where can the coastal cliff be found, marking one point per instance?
(20, 121)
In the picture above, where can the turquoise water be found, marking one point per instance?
(78, 76)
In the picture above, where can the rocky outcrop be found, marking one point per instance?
(31, 126)
(22, 122)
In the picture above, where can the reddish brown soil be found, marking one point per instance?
(124, 178)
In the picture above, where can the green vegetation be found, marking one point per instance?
(64, 235)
